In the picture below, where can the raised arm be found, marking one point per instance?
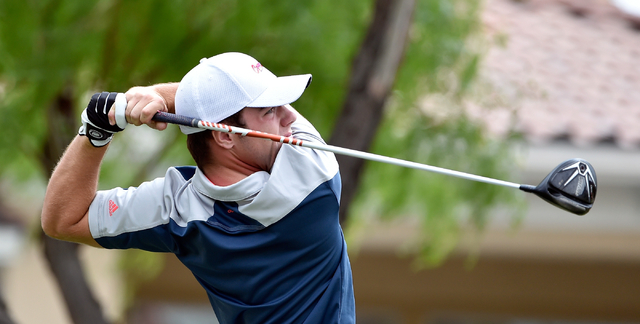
(74, 181)
(70, 192)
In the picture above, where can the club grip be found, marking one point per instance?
(166, 117)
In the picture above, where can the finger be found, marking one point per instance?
(147, 103)
(112, 115)
(145, 111)
(134, 115)
(146, 117)
(158, 125)
(135, 103)
(149, 112)
(131, 107)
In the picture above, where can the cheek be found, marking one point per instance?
(258, 146)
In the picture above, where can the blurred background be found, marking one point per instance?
(501, 88)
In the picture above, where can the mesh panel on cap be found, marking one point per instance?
(222, 85)
(210, 94)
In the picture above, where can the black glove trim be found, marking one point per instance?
(96, 133)
(98, 108)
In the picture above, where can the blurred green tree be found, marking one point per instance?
(372, 61)
(424, 120)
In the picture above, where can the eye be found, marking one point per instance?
(271, 110)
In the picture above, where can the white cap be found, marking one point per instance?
(224, 84)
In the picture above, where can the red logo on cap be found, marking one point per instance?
(257, 68)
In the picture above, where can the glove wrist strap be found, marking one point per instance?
(97, 137)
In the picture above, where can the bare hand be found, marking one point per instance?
(142, 104)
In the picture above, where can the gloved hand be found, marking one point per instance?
(95, 123)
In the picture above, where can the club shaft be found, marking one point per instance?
(195, 122)
(408, 164)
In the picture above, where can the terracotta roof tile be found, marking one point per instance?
(571, 67)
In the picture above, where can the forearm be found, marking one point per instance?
(71, 190)
(168, 92)
(74, 182)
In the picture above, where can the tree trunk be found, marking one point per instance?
(372, 77)
(82, 306)
(4, 313)
(67, 269)
(8, 218)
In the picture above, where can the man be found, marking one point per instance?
(256, 221)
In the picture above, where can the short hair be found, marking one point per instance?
(198, 143)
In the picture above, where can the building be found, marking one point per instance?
(572, 71)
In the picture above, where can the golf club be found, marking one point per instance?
(571, 186)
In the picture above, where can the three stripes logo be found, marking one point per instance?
(112, 207)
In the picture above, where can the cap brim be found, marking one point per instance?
(190, 130)
(283, 91)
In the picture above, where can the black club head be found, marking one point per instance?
(572, 186)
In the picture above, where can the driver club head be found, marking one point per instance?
(572, 186)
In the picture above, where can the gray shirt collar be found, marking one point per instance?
(246, 188)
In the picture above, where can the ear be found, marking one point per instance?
(224, 140)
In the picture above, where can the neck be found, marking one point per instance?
(225, 171)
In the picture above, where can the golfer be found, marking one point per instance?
(256, 221)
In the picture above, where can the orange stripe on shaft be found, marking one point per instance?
(252, 133)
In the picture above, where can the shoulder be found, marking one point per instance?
(176, 177)
(186, 172)
(150, 205)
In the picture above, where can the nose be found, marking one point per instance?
(287, 116)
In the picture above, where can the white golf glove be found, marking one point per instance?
(95, 123)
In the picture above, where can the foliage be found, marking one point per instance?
(426, 123)
(49, 46)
